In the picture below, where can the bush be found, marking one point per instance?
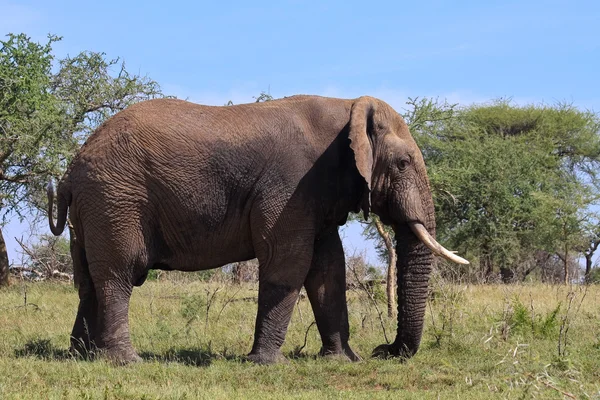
(525, 321)
(594, 276)
(49, 257)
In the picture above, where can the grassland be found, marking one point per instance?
(505, 341)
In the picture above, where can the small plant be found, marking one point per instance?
(549, 324)
(521, 320)
(445, 300)
(192, 306)
(525, 321)
(596, 345)
(153, 275)
(359, 279)
(570, 313)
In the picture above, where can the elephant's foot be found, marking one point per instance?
(345, 354)
(385, 351)
(120, 355)
(82, 347)
(267, 358)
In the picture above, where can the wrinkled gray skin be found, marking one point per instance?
(167, 184)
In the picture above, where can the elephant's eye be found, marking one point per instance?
(404, 163)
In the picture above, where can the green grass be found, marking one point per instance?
(479, 342)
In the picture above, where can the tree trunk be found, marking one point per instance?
(489, 268)
(3, 262)
(391, 268)
(238, 272)
(588, 266)
(566, 265)
(487, 264)
(529, 271)
(589, 254)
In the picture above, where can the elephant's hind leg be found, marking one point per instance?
(118, 256)
(84, 329)
(112, 336)
(326, 289)
(114, 274)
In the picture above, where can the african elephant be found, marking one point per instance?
(168, 184)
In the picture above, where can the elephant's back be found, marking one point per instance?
(176, 148)
(184, 126)
(169, 126)
(145, 134)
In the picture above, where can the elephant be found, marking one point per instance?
(172, 185)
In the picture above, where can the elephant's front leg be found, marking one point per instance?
(282, 271)
(326, 289)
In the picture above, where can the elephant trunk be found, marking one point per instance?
(414, 227)
(414, 265)
(415, 247)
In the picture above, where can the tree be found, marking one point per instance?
(513, 185)
(390, 286)
(511, 180)
(46, 116)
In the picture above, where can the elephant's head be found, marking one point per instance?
(398, 191)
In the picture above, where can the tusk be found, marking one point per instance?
(420, 231)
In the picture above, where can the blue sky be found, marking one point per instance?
(212, 52)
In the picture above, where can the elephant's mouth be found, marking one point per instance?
(421, 232)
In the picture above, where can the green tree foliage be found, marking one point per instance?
(514, 186)
(47, 109)
(31, 127)
(512, 180)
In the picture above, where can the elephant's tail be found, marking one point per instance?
(62, 205)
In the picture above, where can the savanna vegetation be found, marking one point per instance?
(480, 341)
(516, 192)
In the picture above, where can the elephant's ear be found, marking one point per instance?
(361, 143)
